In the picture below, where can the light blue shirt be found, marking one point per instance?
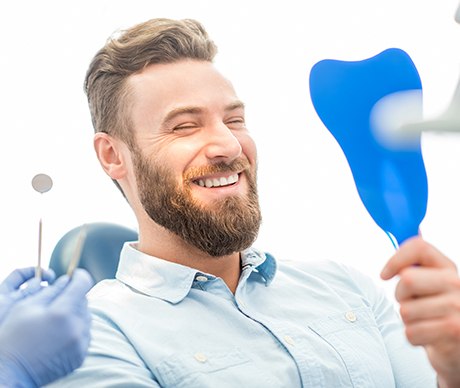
(302, 324)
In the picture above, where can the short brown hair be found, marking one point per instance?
(152, 42)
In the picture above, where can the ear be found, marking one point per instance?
(111, 153)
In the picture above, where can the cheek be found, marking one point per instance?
(178, 158)
(248, 147)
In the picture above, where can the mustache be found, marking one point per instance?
(237, 165)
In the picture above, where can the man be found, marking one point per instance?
(194, 305)
(44, 331)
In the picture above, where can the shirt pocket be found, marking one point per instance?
(230, 369)
(356, 338)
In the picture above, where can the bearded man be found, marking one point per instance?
(193, 303)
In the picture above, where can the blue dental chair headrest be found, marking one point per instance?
(100, 251)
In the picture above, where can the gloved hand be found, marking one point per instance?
(46, 335)
(10, 291)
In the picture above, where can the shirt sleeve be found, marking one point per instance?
(410, 364)
(111, 361)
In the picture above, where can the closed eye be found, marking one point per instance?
(185, 126)
(236, 123)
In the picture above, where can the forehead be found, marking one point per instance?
(160, 88)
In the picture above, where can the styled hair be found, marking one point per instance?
(152, 42)
(129, 52)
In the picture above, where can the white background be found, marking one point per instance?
(310, 204)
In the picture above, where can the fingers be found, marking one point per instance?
(64, 290)
(417, 282)
(47, 294)
(48, 275)
(429, 295)
(16, 278)
(430, 308)
(33, 286)
(11, 291)
(19, 276)
(80, 283)
(415, 251)
(434, 331)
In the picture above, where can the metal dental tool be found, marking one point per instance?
(77, 251)
(448, 121)
(41, 183)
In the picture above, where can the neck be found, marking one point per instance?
(159, 242)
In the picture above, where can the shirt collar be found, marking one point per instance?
(171, 281)
(263, 263)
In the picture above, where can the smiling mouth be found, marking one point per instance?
(217, 182)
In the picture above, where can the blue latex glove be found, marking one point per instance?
(46, 335)
(10, 291)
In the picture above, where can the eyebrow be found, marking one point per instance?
(234, 105)
(171, 115)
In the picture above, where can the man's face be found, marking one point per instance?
(194, 161)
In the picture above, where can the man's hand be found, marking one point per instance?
(429, 295)
(46, 335)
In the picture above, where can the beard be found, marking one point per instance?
(222, 228)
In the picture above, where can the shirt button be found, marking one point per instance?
(288, 339)
(350, 316)
(200, 357)
(201, 278)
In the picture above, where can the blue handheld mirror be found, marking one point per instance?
(354, 99)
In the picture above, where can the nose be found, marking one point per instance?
(222, 144)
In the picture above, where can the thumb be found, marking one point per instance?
(80, 283)
(22, 275)
(33, 286)
(47, 294)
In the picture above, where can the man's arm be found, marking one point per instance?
(429, 295)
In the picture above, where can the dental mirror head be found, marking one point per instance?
(42, 183)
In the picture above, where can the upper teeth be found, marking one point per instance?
(217, 182)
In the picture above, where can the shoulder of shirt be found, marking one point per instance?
(325, 267)
(105, 289)
(331, 271)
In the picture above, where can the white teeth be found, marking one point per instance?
(218, 182)
(232, 179)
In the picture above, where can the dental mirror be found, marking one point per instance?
(41, 183)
